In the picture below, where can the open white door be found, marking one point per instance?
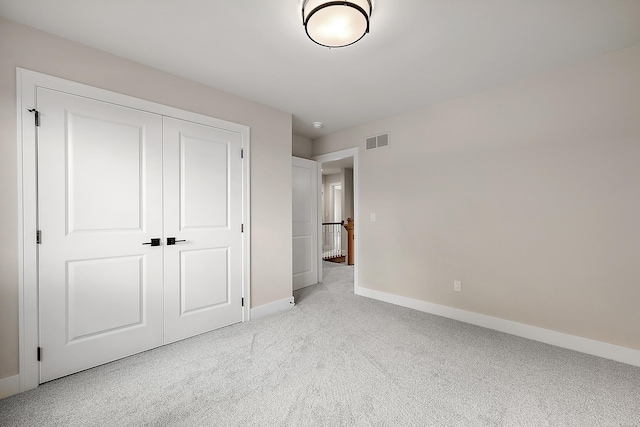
(305, 222)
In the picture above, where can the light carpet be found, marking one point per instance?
(337, 359)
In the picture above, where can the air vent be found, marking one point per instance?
(381, 140)
(371, 143)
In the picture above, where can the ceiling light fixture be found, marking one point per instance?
(317, 125)
(336, 23)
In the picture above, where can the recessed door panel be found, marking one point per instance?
(303, 193)
(104, 296)
(204, 282)
(104, 173)
(302, 255)
(204, 185)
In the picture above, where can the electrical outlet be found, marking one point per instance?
(373, 217)
(457, 286)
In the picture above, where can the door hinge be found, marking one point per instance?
(38, 237)
(242, 228)
(39, 354)
(243, 302)
(37, 114)
(242, 153)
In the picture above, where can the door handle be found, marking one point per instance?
(153, 242)
(173, 241)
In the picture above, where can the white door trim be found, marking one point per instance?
(329, 157)
(27, 83)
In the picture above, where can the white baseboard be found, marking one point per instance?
(547, 336)
(9, 386)
(272, 307)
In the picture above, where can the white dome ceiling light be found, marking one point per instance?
(336, 23)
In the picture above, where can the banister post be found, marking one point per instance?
(349, 227)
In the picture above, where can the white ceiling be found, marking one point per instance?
(418, 53)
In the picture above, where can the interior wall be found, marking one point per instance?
(527, 193)
(271, 143)
(301, 146)
(327, 182)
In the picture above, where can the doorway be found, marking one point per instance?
(332, 164)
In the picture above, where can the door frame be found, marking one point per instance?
(27, 82)
(329, 157)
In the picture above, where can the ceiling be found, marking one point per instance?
(418, 53)
(336, 166)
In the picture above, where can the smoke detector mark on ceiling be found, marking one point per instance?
(377, 141)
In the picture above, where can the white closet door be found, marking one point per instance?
(100, 200)
(202, 211)
(304, 176)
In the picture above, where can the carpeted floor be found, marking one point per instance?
(339, 359)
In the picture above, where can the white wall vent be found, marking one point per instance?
(381, 140)
(371, 143)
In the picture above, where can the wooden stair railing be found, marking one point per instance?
(350, 242)
(331, 240)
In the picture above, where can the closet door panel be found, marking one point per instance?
(100, 199)
(202, 212)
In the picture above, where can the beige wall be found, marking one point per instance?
(301, 147)
(529, 193)
(347, 193)
(327, 182)
(22, 46)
